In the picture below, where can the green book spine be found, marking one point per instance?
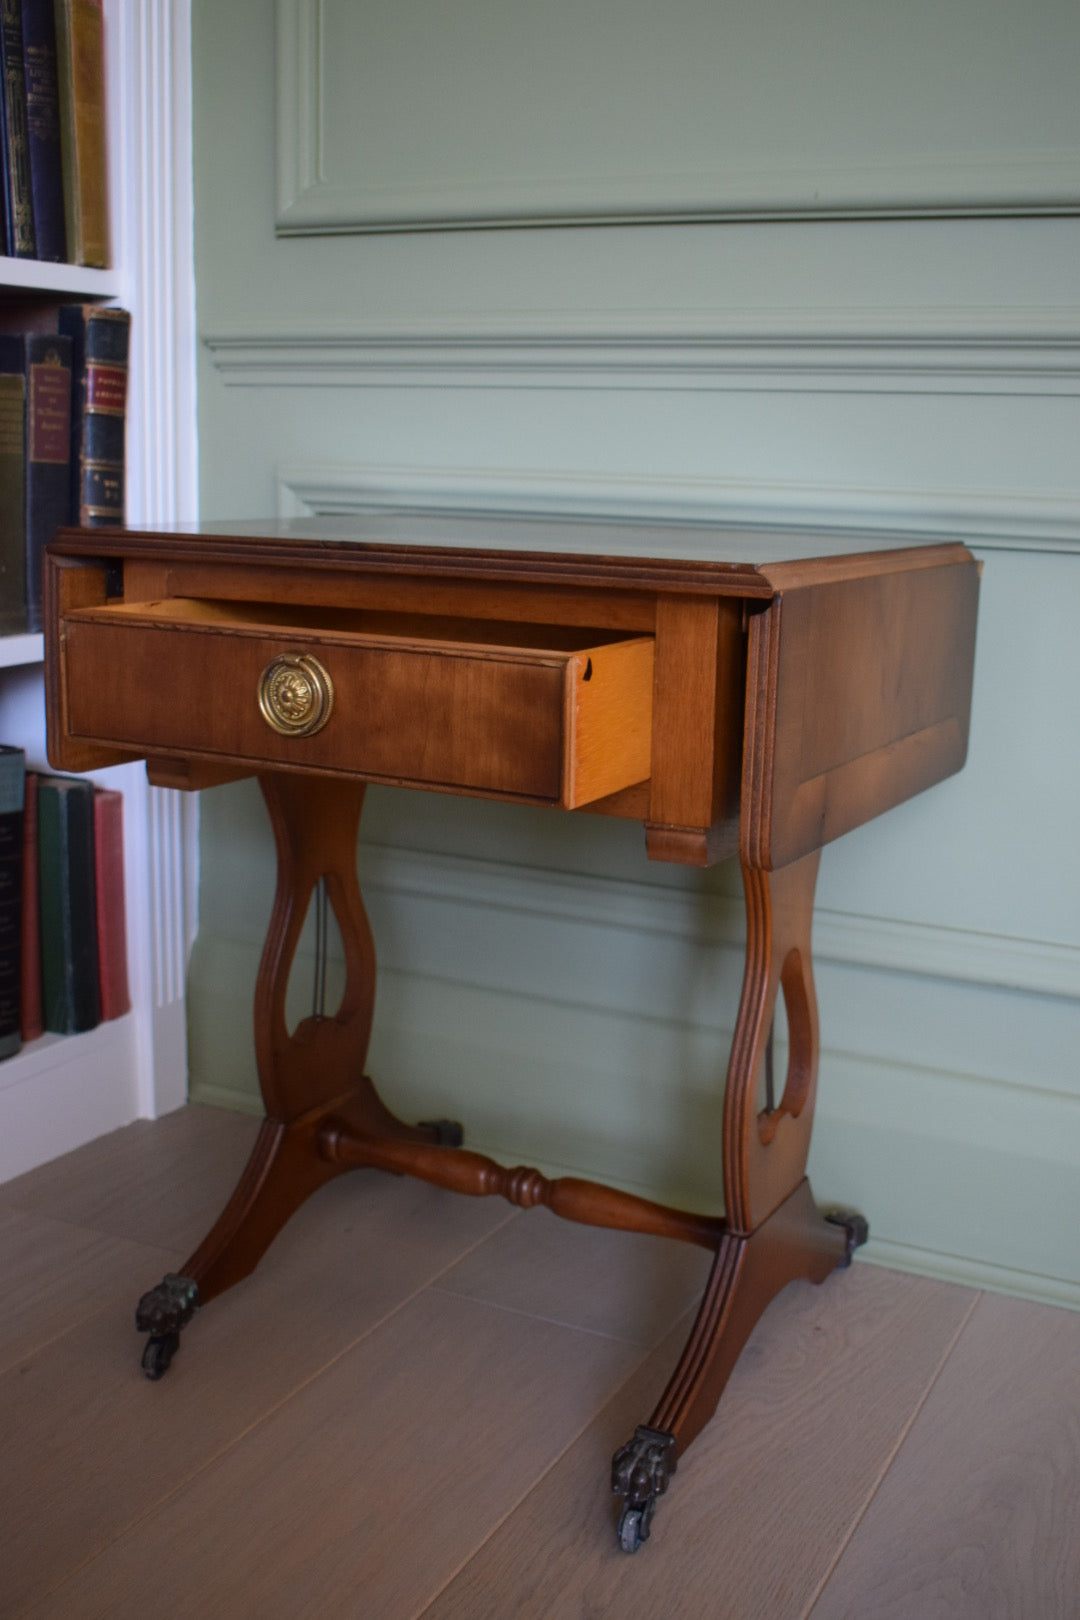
(12, 787)
(12, 505)
(67, 905)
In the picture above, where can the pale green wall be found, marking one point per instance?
(571, 1001)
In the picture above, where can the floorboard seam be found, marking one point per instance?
(141, 1519)
(517, 1506)
(894, 1452)
(551, 1321)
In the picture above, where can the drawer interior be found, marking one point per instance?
(372, 624)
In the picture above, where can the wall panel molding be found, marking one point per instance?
(984, 519)
(1008, 350)
(601, 120)
(1037, 967)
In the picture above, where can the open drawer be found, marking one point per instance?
(555, 714)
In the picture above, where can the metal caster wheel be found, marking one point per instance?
(158, 1353)
(633, 1527)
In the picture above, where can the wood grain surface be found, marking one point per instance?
(409, 1410)
(978, 1518)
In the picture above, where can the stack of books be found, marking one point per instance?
(63, 935)
(52, 132)
(63, 403)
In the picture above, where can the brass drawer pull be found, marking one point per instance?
(296, 694)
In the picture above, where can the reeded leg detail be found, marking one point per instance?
(773, 1233)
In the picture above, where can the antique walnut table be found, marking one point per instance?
(756, 708)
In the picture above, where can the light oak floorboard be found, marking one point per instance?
(978, 1518)
(162, 1181)
(90, 1446)
(364, 1493)
(769, 1492)
(619, 1283)
(55, 1275)
(411, 1407)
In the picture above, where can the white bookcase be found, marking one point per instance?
(60, 1092)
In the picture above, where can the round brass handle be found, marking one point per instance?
(296, 694)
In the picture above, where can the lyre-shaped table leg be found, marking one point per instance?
(307, 1074)
(773, 1234)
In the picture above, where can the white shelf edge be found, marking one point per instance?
(40, 275)
(58, 1051)
(22, 650)
(62, 1091)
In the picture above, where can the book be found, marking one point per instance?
(44, 362)
(12, 782)
(12, 504)
(111, 916)
(67, 908)
(43, 128)
(80, 80)
(21, 241)
(30, 984)
(99, 373)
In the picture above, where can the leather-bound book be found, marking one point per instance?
(12, 779)
(43, 128)
(12, 504)
(111, 918)
(80, 75)
(99, 375)
(44, 361)
(21, 241)
(70, 997)
(30, 983)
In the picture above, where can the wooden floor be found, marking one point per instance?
(411, 1407)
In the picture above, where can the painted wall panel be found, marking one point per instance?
(419, 113)
(542, 979)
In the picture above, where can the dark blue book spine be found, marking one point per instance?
(99, 410)
(22, 243)
(43, 127)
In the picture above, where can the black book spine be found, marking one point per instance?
(43, 127)
(22, 243)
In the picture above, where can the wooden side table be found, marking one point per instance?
(757, 708)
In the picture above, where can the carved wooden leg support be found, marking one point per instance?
(773, 1233)
(306, 1076)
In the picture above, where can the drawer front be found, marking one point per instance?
(431, 715)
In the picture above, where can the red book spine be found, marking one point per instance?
(30, 983)
(109, 886)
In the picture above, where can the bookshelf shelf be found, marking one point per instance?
(59, 280)
(61, 1091)
(20, 652)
